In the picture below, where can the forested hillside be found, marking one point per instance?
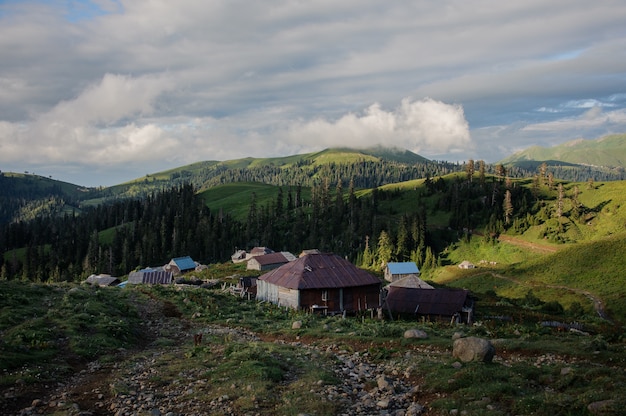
(373, 226)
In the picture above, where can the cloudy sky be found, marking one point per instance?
(103, 91)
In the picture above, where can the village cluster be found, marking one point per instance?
(323, 283)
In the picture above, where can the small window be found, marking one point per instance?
(324, 295)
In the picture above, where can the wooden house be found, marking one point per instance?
(269, 261)
(437, 304)
(103, 280)
(396, 271)
(180, 265)
(151, 276)
(320, 282)
(259, 251)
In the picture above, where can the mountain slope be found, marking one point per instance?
(607, 151)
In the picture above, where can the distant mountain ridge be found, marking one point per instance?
(607, 152)
(370, 167)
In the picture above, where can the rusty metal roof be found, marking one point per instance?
(319, 271)
(444, 302)
(272, 258)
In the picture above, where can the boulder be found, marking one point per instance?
(415, 333)
(296, 325)
(604, 407)
(473, 349)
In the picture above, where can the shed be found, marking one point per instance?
(180, 265)
(269, 261)
(432, 303)
(395, 271)
(320, 281)
(465, 264)
(259, 251)
(239, 256)
(103, 280)
(151, 276)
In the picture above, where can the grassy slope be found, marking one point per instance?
(234, 199)
(593, 261)
(46, 327)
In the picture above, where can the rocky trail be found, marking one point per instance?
(127, 385)
(133, 384)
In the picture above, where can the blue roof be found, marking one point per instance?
(403, 268)
(184, 263)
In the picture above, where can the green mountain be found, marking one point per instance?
(24, 196)
(605, 152)
(383, 165)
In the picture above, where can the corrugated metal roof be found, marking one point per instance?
(319, 271)
(411, 281)
(184, 263)
(272, 258)
(403, 268)
(150, 277)
(259, 251)
(444, 302)
(102, 280)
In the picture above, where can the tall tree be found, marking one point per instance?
(559, 201)
(507, 206)
(469, 170)
(384, 250)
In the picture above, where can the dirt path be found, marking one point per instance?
(544, 248)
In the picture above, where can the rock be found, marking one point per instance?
(296, 325)
(415, 333)
(473, 349)
(414, 409)
(382, 382)
(604, 407)
(457, 335)
(383, 404)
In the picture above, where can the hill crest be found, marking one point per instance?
(607, 151)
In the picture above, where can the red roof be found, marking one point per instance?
(319, 271)
(426, 301)
(272, 258)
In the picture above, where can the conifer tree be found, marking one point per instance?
(384, 250)
(507, 206)
(469, 170)
(559, 202)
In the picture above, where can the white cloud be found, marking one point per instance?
(590, 119)
(417, 125)
(86, 128)
(132, 80)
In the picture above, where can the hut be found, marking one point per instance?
(151, 276)
(269, 261)
(180, 265)
(103, 280)
(320, 282)
(437, 304)
(396, 271)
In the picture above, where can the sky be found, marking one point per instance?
(100, 92)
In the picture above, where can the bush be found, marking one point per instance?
(553, 307)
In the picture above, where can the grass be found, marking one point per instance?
(43, 323)
(235, 198)
(45, 327)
